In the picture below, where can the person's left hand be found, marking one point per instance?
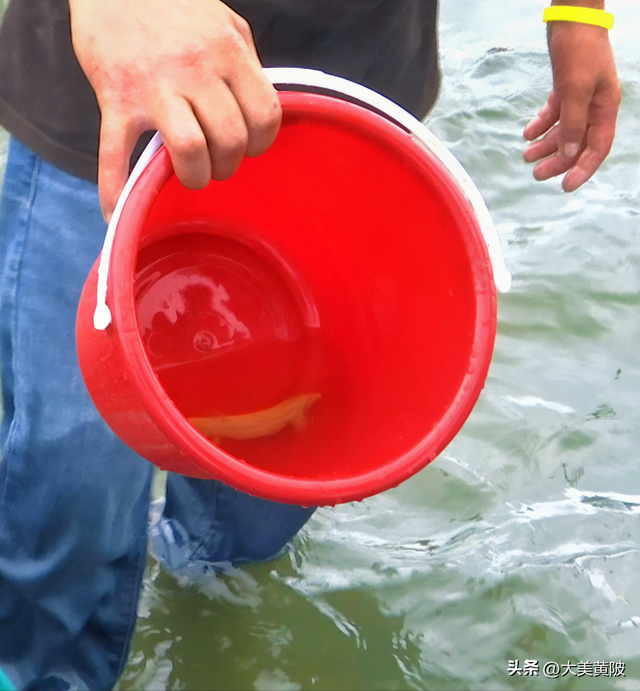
(574, 130)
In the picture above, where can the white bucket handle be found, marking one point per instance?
(102, 314)
(301, 77)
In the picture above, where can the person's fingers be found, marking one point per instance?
(552, 167)
(206, 140)
(576, 177)
(225, 130)
(118, 137)
(186, 142)
(547, 117)
(574, 111)
(552, 162)
(239, 115)
(256, 98)
(547, 146)
(260, 106)
(599, 142)
(579, 168)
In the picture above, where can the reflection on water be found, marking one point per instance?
(521, 541)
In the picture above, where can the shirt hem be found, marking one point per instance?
(69, 160)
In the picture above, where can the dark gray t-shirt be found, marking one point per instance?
(47, 103)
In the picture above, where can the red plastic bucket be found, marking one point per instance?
(314, 330)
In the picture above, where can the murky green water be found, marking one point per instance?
(522, 541)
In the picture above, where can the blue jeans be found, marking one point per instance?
(74, 500)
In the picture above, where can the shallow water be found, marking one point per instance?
(522, 540)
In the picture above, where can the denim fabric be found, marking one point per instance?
(74, 500)
(208, 522)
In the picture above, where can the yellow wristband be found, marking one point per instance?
(583, 15)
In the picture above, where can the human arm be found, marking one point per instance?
(188, 69)
(573, 132)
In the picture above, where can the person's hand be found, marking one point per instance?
(186, 68)
(575, 128)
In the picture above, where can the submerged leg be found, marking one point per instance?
(207, 521)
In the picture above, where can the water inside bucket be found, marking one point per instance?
(231, 339)
(218, 346)
(233, 333)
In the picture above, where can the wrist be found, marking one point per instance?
(593, 4)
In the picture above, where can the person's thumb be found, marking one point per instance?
(117, 140)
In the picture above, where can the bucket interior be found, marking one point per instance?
(328, 309)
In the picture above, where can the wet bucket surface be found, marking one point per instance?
(330, 310)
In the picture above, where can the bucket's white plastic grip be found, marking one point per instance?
(102, 314)
(297, 77)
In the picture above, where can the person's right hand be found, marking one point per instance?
(573, 132)
(186, 68)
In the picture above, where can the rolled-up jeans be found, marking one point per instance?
(74, 500)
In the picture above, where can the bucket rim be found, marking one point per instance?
(212, 459)
(301, 79)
